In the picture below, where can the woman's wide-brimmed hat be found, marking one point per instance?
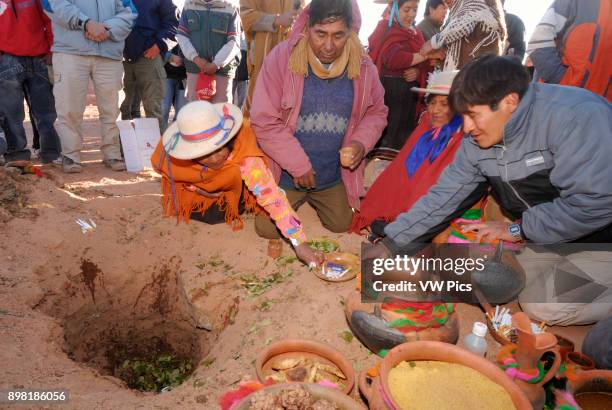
(439, 82)
(201, 128)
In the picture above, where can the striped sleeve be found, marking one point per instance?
(258, 178)
(542, 47)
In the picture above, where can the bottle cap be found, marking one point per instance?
(479, 329)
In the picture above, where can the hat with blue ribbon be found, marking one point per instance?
(201, 128)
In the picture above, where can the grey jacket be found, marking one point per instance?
(553, 171)
(69, 17)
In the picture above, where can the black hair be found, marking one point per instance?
(429, 97)
(327, 11)
(230, 144)
(486, 81)
(434, 4)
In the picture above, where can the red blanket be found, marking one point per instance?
(393, 192)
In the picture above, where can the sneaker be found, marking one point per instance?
(71, 167)
(56, 161)
(115, 164)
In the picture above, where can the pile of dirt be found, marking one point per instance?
(14, 195)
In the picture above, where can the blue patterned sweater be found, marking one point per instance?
(324, 116)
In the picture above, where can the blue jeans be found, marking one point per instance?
(175, 96)
(2, 139)
(30, 74)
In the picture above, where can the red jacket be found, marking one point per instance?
(25, 30)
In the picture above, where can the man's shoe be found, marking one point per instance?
(71, 167)
(115, 164)
(56, 161)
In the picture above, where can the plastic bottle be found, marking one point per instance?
(475, 342)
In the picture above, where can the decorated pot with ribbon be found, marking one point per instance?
(525, 361)
(377, 391)
(382, 326)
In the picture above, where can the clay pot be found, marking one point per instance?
(593, 381)
(582, 361)
(530, 349)
(375, 335)
(305, 348)
(320, 392)
(565, 346)
(378, 393)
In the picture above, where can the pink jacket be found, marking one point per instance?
(278, 98)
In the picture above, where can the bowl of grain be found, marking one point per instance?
(439, 376)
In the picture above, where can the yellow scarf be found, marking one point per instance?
(302, 56)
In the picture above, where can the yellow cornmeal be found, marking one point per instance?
(431, 385)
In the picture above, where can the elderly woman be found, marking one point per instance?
(395, 49)
(212, 170)
(429, 150)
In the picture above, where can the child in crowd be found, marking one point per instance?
(209, 36)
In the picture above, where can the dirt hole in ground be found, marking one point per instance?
(138, 334)
(14, 195)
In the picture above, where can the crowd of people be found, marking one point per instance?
(447, 97)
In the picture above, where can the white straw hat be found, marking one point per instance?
(201, 128)
(438, 82)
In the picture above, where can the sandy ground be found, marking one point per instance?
(65, 296)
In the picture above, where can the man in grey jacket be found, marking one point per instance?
(88, 42)
(544, 150)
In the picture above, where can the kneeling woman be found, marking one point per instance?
(429, 150)
(212, 170)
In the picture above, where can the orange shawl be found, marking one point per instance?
(227, 180)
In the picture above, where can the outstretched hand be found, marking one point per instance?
(309, 256)
(426, 48)
(491, 230)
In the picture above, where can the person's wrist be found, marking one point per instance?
(515, 231)
(85, 24)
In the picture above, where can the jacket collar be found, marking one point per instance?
(519, 119)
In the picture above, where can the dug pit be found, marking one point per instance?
(142, 336)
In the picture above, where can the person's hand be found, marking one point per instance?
(426, 48)
(435, 56)
(491, 230)
(358, 153)
(285, 19)
(48, 58)
(96, 31)
(200, 191)
(210, 69)
(306, 181)
(309, 256)
(411, 74)
(200, 62)
(152, 52)
(176, 60)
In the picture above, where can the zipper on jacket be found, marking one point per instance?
(507, 180)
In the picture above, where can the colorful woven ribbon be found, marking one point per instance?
(508, 362)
